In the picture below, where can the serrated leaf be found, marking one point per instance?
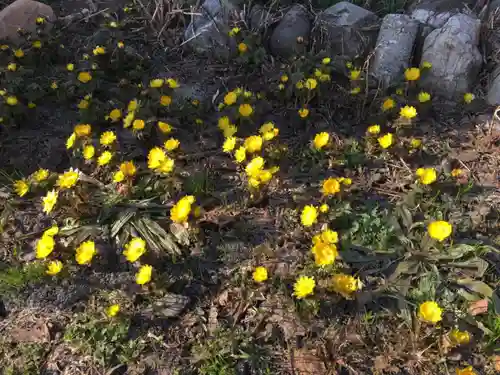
(476, 286)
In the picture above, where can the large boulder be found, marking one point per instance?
(22, 14)
(493, 96)
(347, 30)
(394, 48)
(436, 13)
(208, 31)
(453, 52)
(289, 37)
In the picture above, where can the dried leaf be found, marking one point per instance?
(478, 307)
(496, 362)
(39, 333)
(476, 286)
(306, 362)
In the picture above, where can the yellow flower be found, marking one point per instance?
(245, 110)
(329, 236)
(458, 337)
(127, 121)
(457, 172)
(3, 92)
(241, 154)
(54, 267)
(325, 77)
(83, 104)
(112, 310)
(99, 51)
(259, 274)
(388, 104)
(254, 167)
(345, 285)
(88, 152)
(120, 45)
(156, 157)
(426, 65)
(412, 74)
(134, 249)
(172, 144)
(180, 211)
(21, 187)
(253, 143)
(223, 122)
(128, 168)
(374, 129)
(44, 246)
(386, 140)
(284, 78)
(426, 176)
(52, 231)
(309, 215)
(84, 77)
(41, 175)
(54, 85)
(324, 208)
(424, 96)
(465, 371)
(311, 84)
(234, 31)
(354, 74)
(331, 186)
(165, 100)
(85, 252)
(11, 100)
(229, 144)
(303, 287)
(12, 67)
(303, 112)
(242, 47)
(19, 53)
(82, 130)
(164, 127)
(40, 20)
(118, 177)
(430, 312)
(167, 166)
(321, 140)
(326, 60)
(104, 158)
(49, 201)
(408, 112)
(138, 124)
(439, 230)
(31, 105)
(355, 90)
(281, 87)
(4, 47)
(415, 143)
(68, 179)
(132, 105)
(230, 131)
(37, 44)
(469, 97)
(71, 140)
(107, 138)
(113, 24)
(172, 83)
(143, 276)
(324, 253)
(115, 115)
(230, 98)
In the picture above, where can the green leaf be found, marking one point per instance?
(123, 218)
(406, 267)
(474, 267)
(476, 286)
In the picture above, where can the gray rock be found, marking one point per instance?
(347, 30)
(436, 13)
(260, 18)
(284, 39)
(207, 33)
(394, 48)
(453, 52)
(493, 96)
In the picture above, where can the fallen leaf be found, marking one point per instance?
(496, 362)
(478, 307)
(39, 333)
(306, 362)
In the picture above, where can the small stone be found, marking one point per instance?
(347, 30)
(394, 47)
(453, 52)
(22, 14)
(289, 37)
